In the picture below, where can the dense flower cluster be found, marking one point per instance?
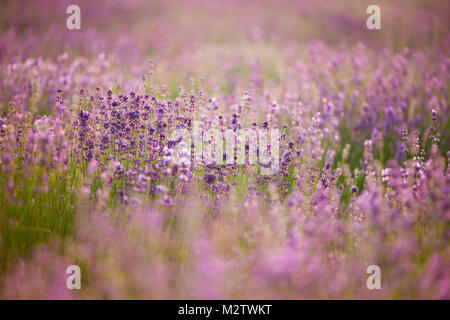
(91, 175)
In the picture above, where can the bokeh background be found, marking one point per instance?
(87, 178)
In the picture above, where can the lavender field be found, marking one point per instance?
(92, 175)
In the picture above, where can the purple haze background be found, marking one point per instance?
(88, 175)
